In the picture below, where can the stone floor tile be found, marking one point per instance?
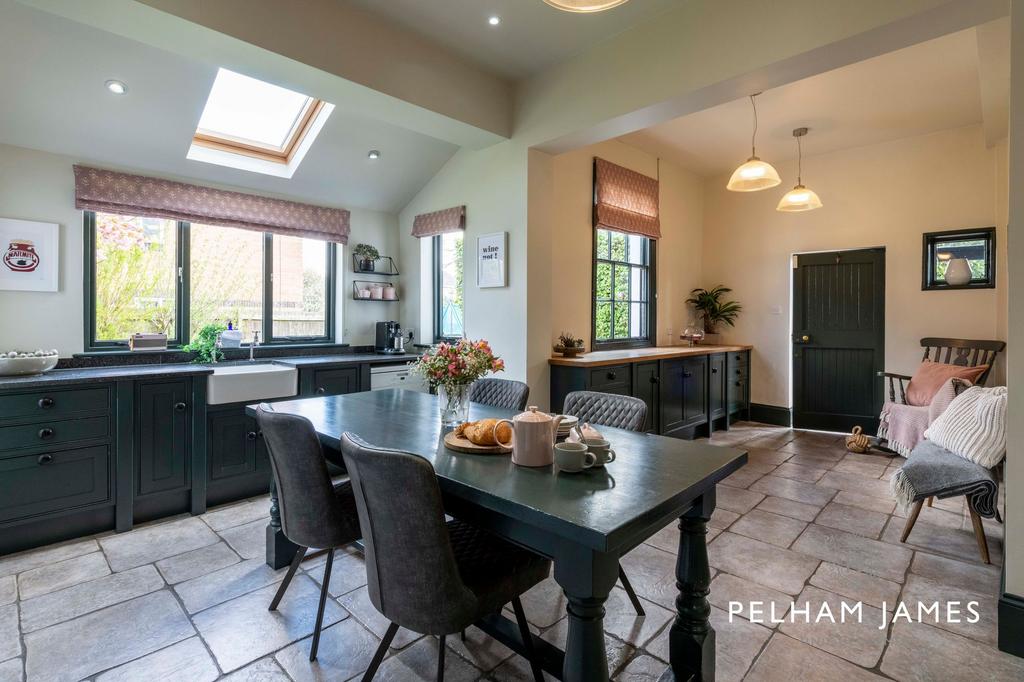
(742, 478)
(242, 630)
(43, 556)
(419, 662)
(480, 649)
(736, 499)
(926, 591)
(667, 539)
(8, 590)
(786, 659)
(616, 651)
(852, 519)
(249, 540)
(106, 638)
(263, 670)
(347, 574)
(799, 472)
(801, 446)
(198, 562)
(345, 651)
(10, 642)
(52, 577)
(652, 573)
(856, 637)
(873, 470)
(12, 670)
(159, 541)
(790, 508)
(856, 484)
(759, 467)
(545, 603)
(957, 574)
(765, 456)
(856, 585)
(712, 534)
(768, 527)
(227, 583)
(359, 605)
(868, 502)
(765, 564)
(918, 651)
(231, 515)
(186, 660)
(720, 518)
(737, 643)
(753, 602)
(872, 457)
(959, 520)
(798, 491)
(620, 619)
(642, 669)
(854, 551)
(72, 602)
(960, 544)
(822, 459)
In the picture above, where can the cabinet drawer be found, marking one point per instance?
(39, 484)
(50, 433)
(336, 381)
(738, 358)
(54, 404)
(608, 379)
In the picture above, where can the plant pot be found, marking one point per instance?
(366, 265)
(569, 351)
(958, 272)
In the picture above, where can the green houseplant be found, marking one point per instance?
(713, 309)
(204, 344)
(569, 345)
(367, 255)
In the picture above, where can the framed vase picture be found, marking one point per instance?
(29, 253)
(491, 266)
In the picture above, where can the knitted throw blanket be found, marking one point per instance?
(933, 470)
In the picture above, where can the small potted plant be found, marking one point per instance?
(713, 310)
(367, 255)
(569, 345)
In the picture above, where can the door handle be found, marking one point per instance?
(803, 338)
(179, 407)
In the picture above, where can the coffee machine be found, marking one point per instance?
(389, 338)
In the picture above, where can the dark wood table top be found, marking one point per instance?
(653, 479)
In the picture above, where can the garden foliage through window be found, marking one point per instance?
(449, 305)
(623, 276)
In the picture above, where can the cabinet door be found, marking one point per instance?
(645, 387)
(738, 382)
(717, 393)
(163, 434)
(336, 381)
(695, 390)
(230, 444)
(670, 396)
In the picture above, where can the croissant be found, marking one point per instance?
(482, 432)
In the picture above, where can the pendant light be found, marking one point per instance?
(585, 5)
(755, 174)
(799, 198)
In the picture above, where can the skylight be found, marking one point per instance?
(253, 125)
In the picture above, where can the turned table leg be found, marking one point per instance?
(280, 550)
(691, 637)
(587, 578)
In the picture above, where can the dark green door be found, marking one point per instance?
(838, 339)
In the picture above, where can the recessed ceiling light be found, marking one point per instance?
(373, 155)
(494, 20)
(117, 87)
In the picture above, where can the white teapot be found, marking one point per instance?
(533, 437)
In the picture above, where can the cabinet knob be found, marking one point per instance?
(179, 407)
(714, 370)
(655, 380)
(321, 390)
(45, 403)
(687, 375)
(46, 433)
(251, 435)
(45, 459)
(739, 383)
(611, 376)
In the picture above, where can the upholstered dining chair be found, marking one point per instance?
(507, 393)
(617, 411)
(315, 512)
(424, 574)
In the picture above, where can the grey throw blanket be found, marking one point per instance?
(933, 470)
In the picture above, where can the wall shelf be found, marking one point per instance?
(364, 284)
(385, 266)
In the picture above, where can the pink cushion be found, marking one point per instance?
(930, 377)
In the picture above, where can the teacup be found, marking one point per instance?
(573, 457)
(602, 450)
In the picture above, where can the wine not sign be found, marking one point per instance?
(491, 270)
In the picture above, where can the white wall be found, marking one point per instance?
(879, 195)
(40, 186)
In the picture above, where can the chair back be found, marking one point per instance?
(411, 573)
(506, 393)
(963, 352)
(607, 409)
(311, 515)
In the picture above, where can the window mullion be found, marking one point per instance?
(184, 287)
(268, 288)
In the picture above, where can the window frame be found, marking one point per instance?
(182, 317)
(435, 264)
(929, 241)
(648, 341)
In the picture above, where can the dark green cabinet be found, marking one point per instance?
(717, 386)
(46, 482)
(683, 395)
(163, 433)
(738, 383)
(645, 386)
(230, 444)
(335, 381)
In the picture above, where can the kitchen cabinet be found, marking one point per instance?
(163, 436)
(682, 395)
(237, 462)
(331, 381)
(717, 386)
(646, 380)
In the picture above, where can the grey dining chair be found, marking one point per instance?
(617, 411)
(507, 393)
(315, 512)
(424, 574)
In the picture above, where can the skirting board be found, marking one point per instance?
(771, 414)
(1011, 621)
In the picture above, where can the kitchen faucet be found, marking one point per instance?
(252, 345)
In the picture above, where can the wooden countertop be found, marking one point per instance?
(617, 357)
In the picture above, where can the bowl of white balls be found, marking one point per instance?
(15, 363)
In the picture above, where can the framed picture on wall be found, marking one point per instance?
(29, 253)
(491, 266)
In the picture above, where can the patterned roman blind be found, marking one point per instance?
(439, 222)
(109, 191)
(625, 200)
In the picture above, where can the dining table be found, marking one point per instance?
(584, 522)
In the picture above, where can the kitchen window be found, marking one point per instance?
(623, 302)
(449, 304)
(156, 275)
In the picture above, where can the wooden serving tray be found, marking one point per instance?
(461, 444)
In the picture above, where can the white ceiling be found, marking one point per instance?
(921, 89)
(531, 36)
(52, 74)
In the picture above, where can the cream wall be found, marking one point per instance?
(880, 195)
(40, 186)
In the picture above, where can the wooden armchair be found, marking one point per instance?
(963, 352)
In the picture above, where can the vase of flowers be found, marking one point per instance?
(451, 368)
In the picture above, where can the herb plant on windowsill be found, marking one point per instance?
(204, 344)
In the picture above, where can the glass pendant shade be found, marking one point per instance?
(585, 5)
(752, 176)
(799, 199)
